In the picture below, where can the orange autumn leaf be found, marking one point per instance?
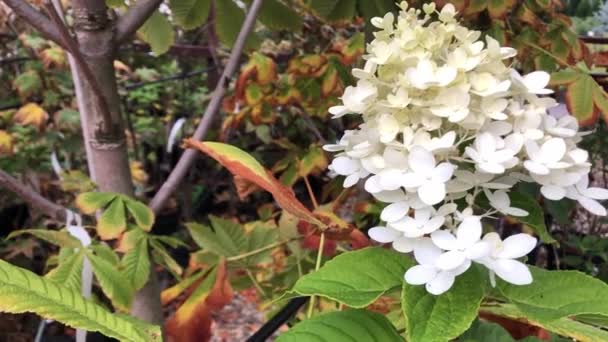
(240, 163)
(192, 321)
(31, 114)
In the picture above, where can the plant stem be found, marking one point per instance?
(311, 194)
(255, 282)
(261, 249)
(311, 305)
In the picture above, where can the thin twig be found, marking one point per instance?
(36, 19)
(185, 162)
(262, 249)
(311, 194)
(311, 304)
(135, 17)
(32, 197)
(72, 48)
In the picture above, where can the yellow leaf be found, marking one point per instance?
(31, 114)
(6, 143)
(53, 57)
(140, 177)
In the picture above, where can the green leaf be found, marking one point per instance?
(343, 326)
(28, 83)
(323, 7)
(431, 318)
(105, 252)
(356, 278)
(579, 100)
(90, 202)
(486, 331)
(226, 239)
(142, 214)
(563, 326)
(277, 16)
(229, 18)
(557, 294)
(69, 271)
(158, 32)
(113, 221)
(23, 291)
(190, 14)
(57, 237)
(560, 210)
(535, 219)
(344, 10)
(111, 282)
(565, 76)
(137, 265)
(164, 258)
(260, 237)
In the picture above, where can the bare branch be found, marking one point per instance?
(32, 197)
(72, 48)
(35, 18)
(185, 162)
(135, 17)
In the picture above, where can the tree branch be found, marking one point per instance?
(185, 162)
(32, 197)
(35, 18)
(135, 17)
(72, 48)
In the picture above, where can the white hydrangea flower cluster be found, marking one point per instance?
(446, 118)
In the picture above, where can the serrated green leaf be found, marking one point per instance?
(136, 265)
(69, 271)
(142, 214)
(276, 16)
(105, 252)
(90, 202)
(226, 239)
(557, 294)
(158, 32)
(564, 77)
(23, 291)
(344, 10)
(113, 221)
(28, 83)
(190, 14)
(228, 20)
(536, 217)
(343, 326)
(486, 331)
(431, 318)
(356, 278)
(111, 282)
(60, 238)
(260, 237)
(323, 7)
(563, 326)
(164, 258)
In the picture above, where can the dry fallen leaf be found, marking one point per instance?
(6, 143)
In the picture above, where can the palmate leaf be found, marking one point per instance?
(432, 318)
(69, 271)
(240, 163)
(343, 326)
(356, 278)
(89, 202)
(229, 18)
(23, 291)
(57, 237)
(141, 213)
(113, 221)
(276, 16)
(136, 264)
(190, 14)
(111, 282)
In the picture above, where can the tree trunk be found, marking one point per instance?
(107, 150)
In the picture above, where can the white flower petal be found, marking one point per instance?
(383, 234)
(420, 274)
(592, 206)
(516, 246)
(443, 172)
(469, 231)
(444, 240)
(512, 271)
(351, 180)
(478, 251)
(596, 193)
(404, 245)
(345, 166)
(432, 193)
(425, 252)
(441, 283)
(421, 161)
(394, 211)
(450, 260)
(553, 192)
